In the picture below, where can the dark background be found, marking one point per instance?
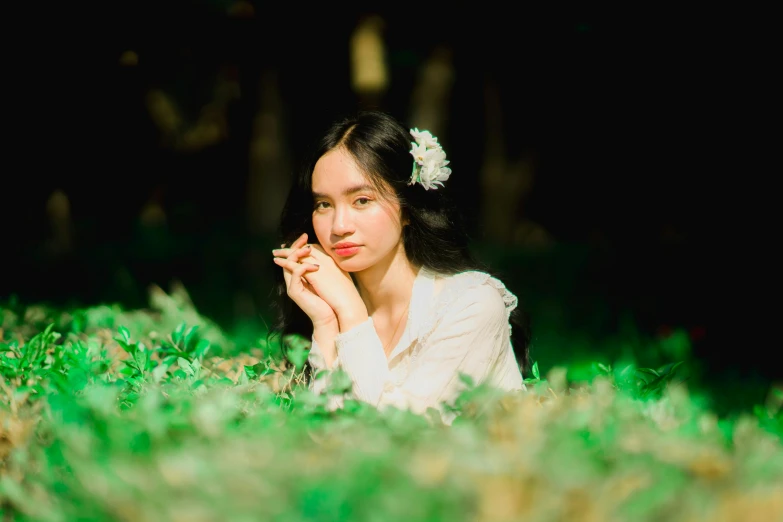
(601, 108)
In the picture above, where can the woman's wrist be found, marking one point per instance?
(326, 325)
(351, 318)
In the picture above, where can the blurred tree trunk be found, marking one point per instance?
(269, 174)
(432, 94)
(506, 184)
(369, 69)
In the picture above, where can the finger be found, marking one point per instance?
(285, 252)
(298, 275)
(295, 255)
(304, 251)
(295, 285)
(315, 253)
(281, 252)
(300, 242)
(295, 277)
(310, 259)
(295, 267)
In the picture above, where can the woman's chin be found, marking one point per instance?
(350, 264)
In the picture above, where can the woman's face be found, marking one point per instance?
(354, 224)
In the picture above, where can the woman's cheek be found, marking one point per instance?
(319, 234)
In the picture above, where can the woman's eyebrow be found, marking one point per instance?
(348, 191)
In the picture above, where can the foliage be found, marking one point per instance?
(155, 414)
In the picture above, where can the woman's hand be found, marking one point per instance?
(298, 266)
(335, 286)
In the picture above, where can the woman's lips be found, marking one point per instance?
(346, 251)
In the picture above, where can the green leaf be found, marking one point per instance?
(177, 334)
(142, 358)
(311, 401)
(79, 322)
(670, 368)
(263, 370)
(242, 379)
(258, 370)
(159, 372)
(169, 360)
(250, 372)
(339, 383)
(202, 347)
(130, 348)
(535, 370)
(186, 366)
(656, 385)
(466, 379)
(351, 406)
(124, 333)
(189, 334)
(297, 355)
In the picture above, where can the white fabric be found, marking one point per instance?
(457, 323)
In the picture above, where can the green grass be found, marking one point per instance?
(159, 414)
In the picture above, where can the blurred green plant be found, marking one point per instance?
(107, 414)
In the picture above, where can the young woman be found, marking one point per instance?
(377, 271)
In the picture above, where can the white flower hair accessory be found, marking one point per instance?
(429, 161)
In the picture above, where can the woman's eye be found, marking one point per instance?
(319, 205)
(363, 201)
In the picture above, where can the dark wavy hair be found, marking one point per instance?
(433, 235)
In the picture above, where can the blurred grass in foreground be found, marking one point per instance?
(158, 414)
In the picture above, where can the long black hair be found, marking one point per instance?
(433, 235)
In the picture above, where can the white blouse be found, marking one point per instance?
(456, 324)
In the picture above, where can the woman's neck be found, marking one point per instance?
(387, 285)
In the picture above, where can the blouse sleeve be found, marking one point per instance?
(360, 354)
(316, 356)
(317, 361)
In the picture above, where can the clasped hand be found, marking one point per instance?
(323, 291)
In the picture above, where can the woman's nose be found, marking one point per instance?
(343, 222)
